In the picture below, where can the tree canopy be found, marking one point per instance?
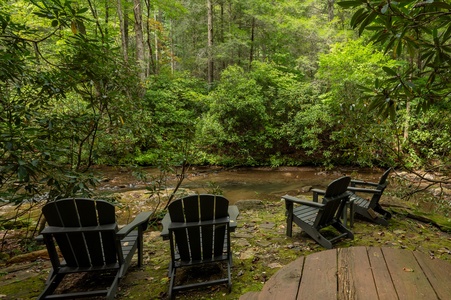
(159, 83)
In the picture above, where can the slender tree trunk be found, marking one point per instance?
(123, 23)
(171, 33)
(251, 53)
(210, 74)
(222, 35)
(157, 53)
(139, 39)
(151, 68)
(330, 9)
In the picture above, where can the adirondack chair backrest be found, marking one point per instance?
(383, 180)
(84, 249)
(381, 187)
(199, 242)
(336, 191)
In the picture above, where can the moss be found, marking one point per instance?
(28, 288)
(260, 247)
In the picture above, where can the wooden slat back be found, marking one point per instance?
(334, 201)
(384, 177)
(381, 187)
(204, 241)
(83, 249)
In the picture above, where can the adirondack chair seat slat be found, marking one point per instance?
(313, 216)
(360, 201)
(371, 209)
(198, 228)
(71, 270)
(85, 231)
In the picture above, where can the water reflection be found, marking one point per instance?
(268, 184)
(260, 183)
(240, 183)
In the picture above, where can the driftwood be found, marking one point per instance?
(28, 257)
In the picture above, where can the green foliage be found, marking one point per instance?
(418, 32)
(355, 135)
(165, 125)
(247, 112)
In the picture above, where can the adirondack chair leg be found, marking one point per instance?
(113, 288)
(171, 284)
(289, 213)
(51, 285)
(323, 241)
(317, 236)
(140, 246)
(229, 284)
(343, 229)
(371, 215)
(383, 212)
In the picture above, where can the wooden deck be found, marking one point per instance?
(360, 273)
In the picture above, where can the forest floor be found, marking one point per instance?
(259, 245)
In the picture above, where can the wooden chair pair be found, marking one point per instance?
(370, 209)
(339, 195)
(312, 216)
(88, 239)
(198, 228)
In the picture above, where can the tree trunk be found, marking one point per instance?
(151, 68)
(123, 23)
(330, 9)
(251, 54)
(157, 53)
(139, 39)
(210, 74)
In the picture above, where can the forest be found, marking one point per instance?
(167, 83)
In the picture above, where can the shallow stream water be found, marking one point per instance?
(241, 183)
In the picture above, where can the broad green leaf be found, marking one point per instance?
(443, 5)
(349, 4)
(389, 71)
(357, 17)
(367, 21)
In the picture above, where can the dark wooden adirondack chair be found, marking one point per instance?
(370, 209)
(87, 236)
(199, 233)
(313, 216)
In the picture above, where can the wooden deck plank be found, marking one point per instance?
(355, 277)
(290, 275)
(435, 270)
(384, 284)
(408, 278)
(360, 273)
(319, 278)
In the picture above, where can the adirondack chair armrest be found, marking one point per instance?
(233, 215)
(219, 221)
(301, 201)
(317, 192)
(39, 239)
(142, 219)
(363, 190)
(355, 182)
(99, 228)
(165, 222)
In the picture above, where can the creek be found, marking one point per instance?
(238, 183)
